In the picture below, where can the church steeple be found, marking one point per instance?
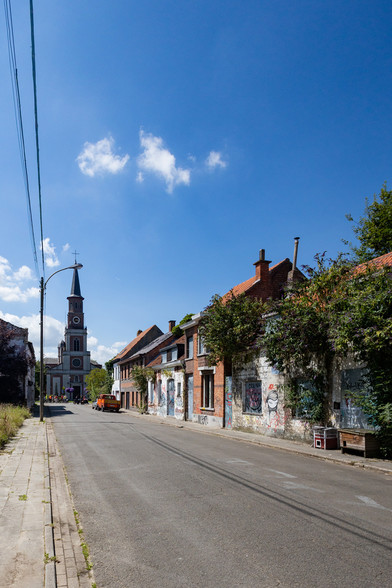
(75, 288)
(75, 304)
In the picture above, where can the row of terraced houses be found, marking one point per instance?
(246, 396)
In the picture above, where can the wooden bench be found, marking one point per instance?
(359, 440)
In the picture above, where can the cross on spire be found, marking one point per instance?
(75, 253)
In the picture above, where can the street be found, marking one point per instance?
(165, 506)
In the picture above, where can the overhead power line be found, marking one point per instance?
(36, 132)
(19, 123)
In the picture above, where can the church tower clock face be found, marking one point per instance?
(76, 320)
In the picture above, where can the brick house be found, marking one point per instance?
(17, 382)
(258, 393)
(121, 366)
(166, 392)
(208, 388)
(144, 356)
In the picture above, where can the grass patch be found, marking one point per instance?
(22, 496)
(11, 419)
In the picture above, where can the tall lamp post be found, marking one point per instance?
(41, 375)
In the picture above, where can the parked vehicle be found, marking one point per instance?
(107, 402)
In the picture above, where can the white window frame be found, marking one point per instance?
(208, 390)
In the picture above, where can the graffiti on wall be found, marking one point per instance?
(275, 419)
(228, 403)
(253, 398)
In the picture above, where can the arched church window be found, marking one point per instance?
(76, 345)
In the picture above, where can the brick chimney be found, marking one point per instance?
(171, 325)
(262, 273)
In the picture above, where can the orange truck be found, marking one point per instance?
(107, 402)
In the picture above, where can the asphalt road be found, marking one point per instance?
(163, 506)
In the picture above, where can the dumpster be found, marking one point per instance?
(325, 437)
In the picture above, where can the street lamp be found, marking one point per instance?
(41, 375)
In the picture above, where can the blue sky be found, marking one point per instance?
(177, 138)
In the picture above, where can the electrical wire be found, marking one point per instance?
(19, 123)
(36, 132)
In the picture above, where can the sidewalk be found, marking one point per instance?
(40, 543)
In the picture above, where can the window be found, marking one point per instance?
(189, 346)
(151, 391)
(159, 391)
(306, 402)
(164, 357)
(178, 389)
(252, 398)
(208, 391)
(76, 345)
(201, 349)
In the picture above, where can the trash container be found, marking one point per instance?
(325, 437)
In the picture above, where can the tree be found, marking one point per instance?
(374, 229)
(231, 327)
(38, 376)
(364, 327)
(141, 376)
(98, 381)
(297, 338)
(177, 331)
(340, 310)
(13, 367)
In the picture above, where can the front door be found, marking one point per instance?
(190, 398)
(170, 397)
(228, 403)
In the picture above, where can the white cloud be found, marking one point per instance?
(66, 247)
(11, 283)
(98, 158)
(158, 160)
(102, 353)
(51, 258)
(53, 331)
(214, 160)
(54, 334)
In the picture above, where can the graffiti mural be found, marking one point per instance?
(272, 402)
(228, 403)
(252, 399)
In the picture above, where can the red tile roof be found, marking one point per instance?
(132, 344)
(247, 285)
(378, 262)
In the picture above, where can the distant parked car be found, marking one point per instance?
(107, 402)
(94, 405)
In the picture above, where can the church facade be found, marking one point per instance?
(66, 375)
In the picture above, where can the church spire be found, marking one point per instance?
(75, 288)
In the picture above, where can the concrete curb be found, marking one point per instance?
(50, 568)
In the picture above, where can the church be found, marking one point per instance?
(66, 375)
